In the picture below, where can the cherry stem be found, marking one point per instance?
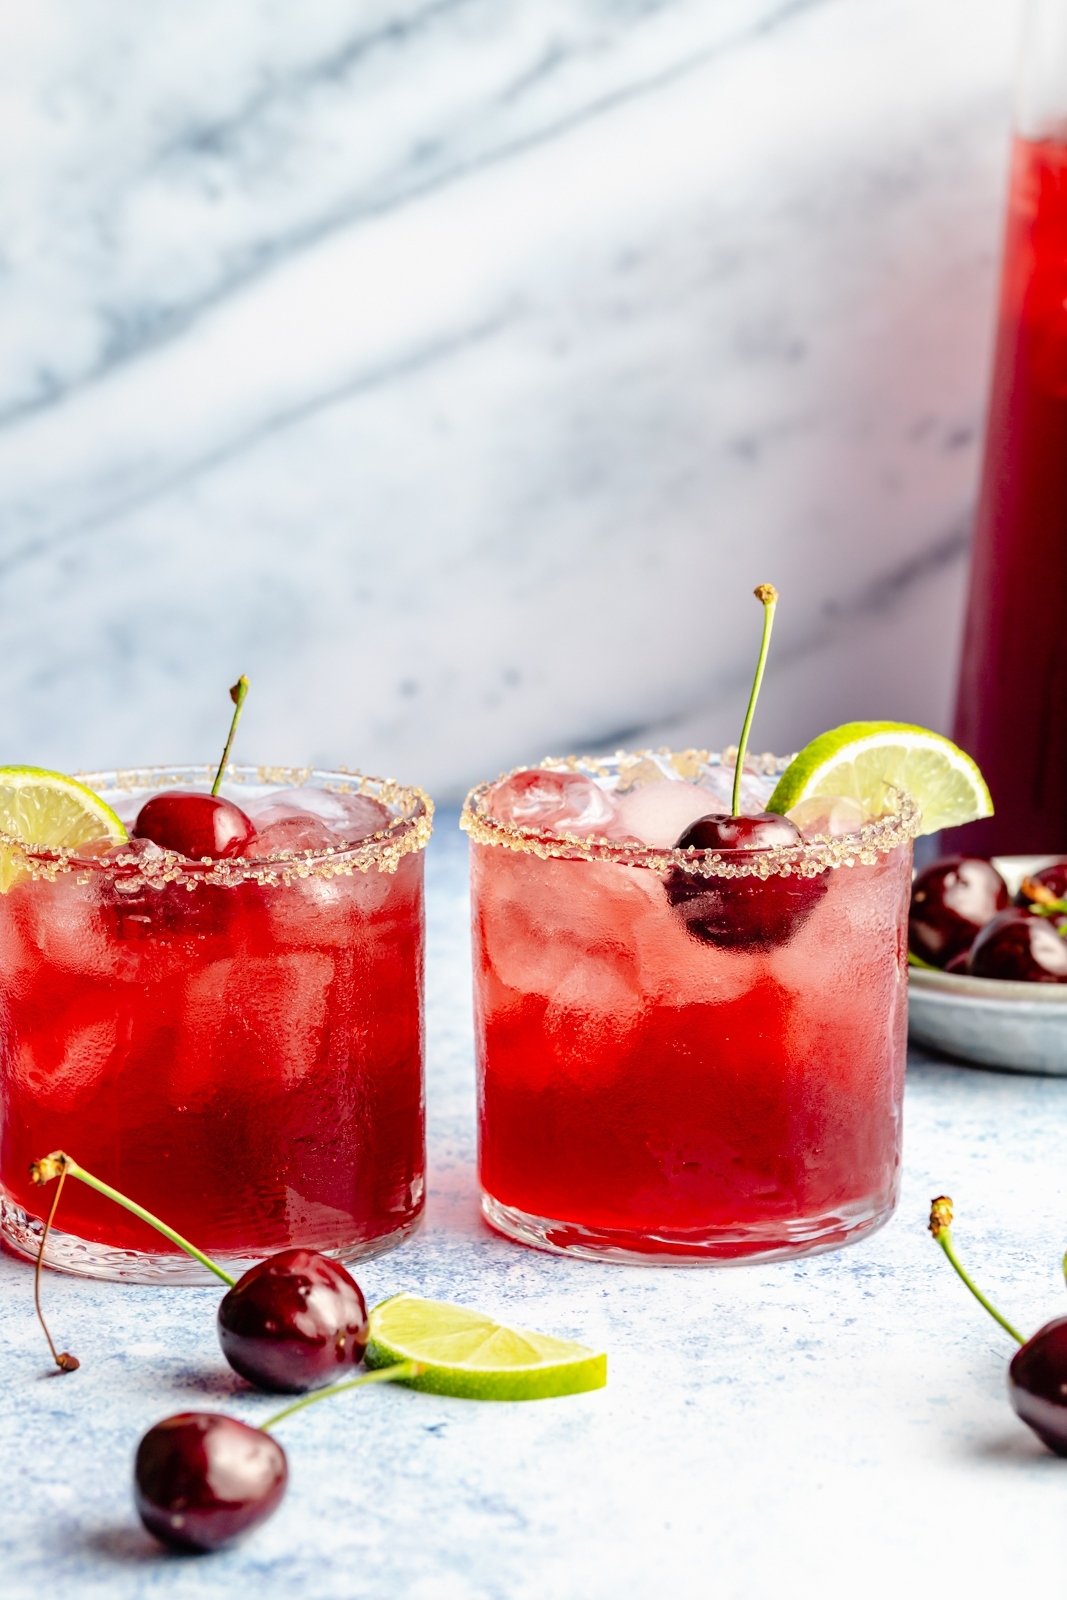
(941, 1228)
(62, 1358)
(237, 695)
(767, 595)
(60, 1165)
(397, 1373)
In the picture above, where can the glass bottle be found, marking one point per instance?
(1011, 709)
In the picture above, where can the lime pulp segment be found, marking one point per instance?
(468, 1355)
(871, 762)
(50, 811)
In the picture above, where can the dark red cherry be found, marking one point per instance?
(202, 1479)
(951, 899)
(1037, 1384)
(293, 1322)
(1051, 885)
(194, 824)
(721, 831)
(737, 913)
(1019, 945)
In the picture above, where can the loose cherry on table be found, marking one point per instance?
(1019, 945)
(743, 912)
(1037, 1375)
(194, 824)
(291, 1323)
(951, 901)
(202, 1479)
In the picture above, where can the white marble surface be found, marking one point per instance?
(456, 369)
(822, 1429)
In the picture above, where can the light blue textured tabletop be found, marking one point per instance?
(823, 1427)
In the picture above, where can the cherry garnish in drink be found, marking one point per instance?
(1019, 945)
(202, 1479)
(741, 912)
(735, 913)
(951, 901)
(1037, 1375)
(194, 824)
(293, 1322)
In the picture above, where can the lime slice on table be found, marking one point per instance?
(867, 761)
(466, 1354)
(51, 811)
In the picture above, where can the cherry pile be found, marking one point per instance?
(1037, 1373)
(963, 919)
(292, 1324)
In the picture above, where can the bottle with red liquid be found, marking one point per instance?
(1011, 709)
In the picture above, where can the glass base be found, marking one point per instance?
(775, 1241)
(82, 1258)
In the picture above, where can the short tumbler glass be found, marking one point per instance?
(236, 1045)
(650, 1094)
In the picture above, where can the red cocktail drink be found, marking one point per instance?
(236, 1044)
(1011, 712)
(684, 1056)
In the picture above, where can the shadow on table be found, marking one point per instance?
(125, 1545)
(207, 1381)
(1018, 1448)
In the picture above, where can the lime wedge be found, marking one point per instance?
(466, 1354)
(868, 761)
(49, 810)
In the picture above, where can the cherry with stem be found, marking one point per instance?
(203, 1479)
(289, 1324)
(200, 826)
(737, 913)
(238, 695)
(1037, 1373)
(62, 1358)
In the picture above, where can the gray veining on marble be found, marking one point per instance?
(456, 369)
(823, 1428)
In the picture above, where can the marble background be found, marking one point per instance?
(456, 369)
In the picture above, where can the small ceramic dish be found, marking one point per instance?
(993, 1022)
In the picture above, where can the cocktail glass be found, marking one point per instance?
(647, 1095)
(236, 1044)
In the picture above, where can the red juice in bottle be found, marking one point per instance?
(1011, 712)
(235, 1045)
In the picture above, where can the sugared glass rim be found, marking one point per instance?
(382, 851)
(815, 855)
